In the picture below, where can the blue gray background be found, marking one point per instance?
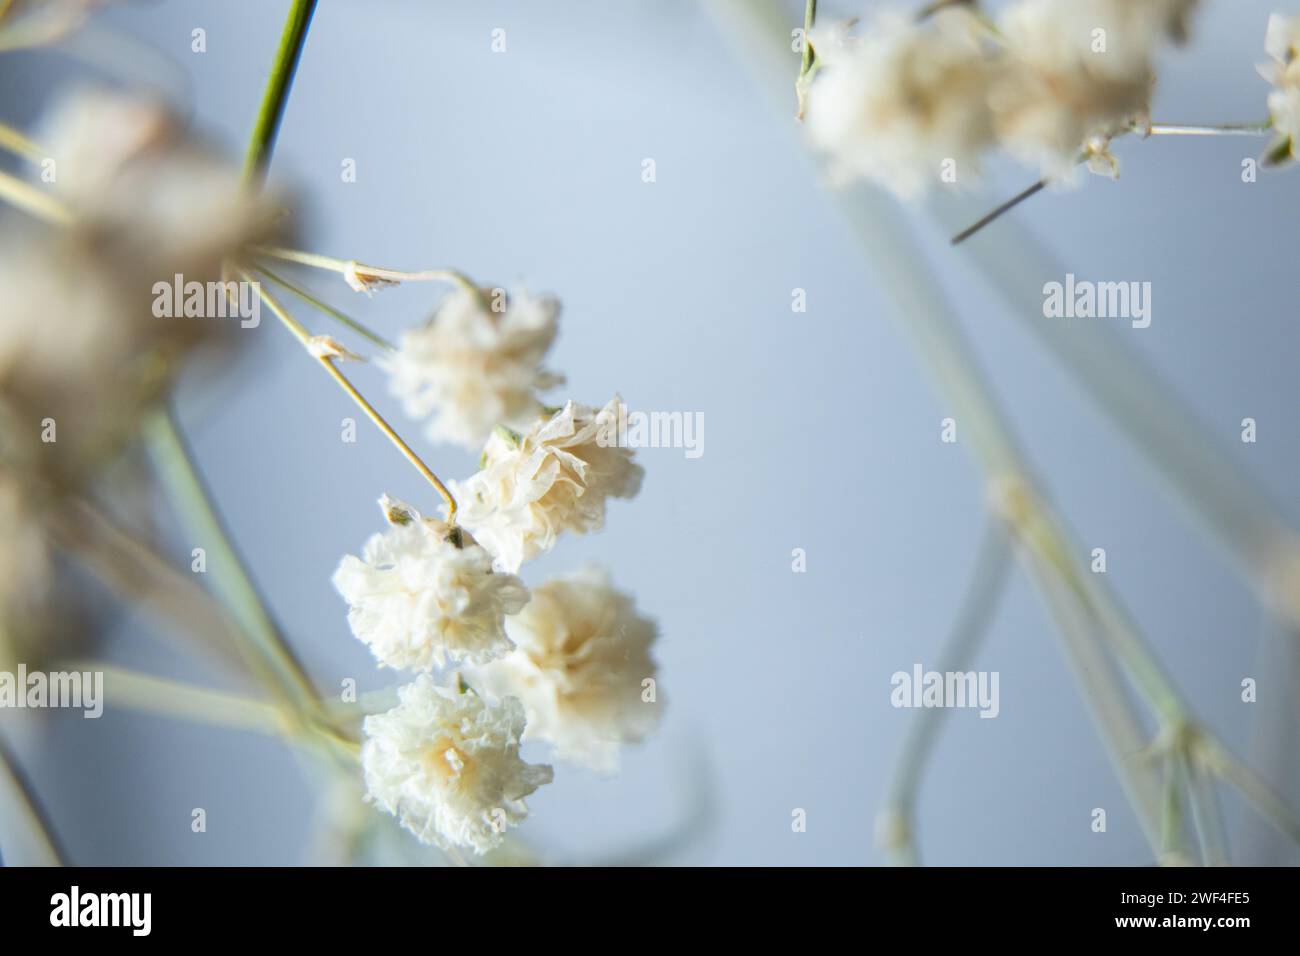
(821, 431)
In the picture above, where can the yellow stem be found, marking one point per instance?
(30, 199)
(17, 142)
(305, 337)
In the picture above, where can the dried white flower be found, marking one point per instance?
(447, 766)
(581, 659)
(1073, 71)
(904, 99)
(556, 477)
(424, 593)
(1282, 43)
(473, 368)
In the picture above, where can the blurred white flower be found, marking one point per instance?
(473, 368)
(896, 103)
(1073, 71)
(556, 477)
(147, 202)
(582, 653)
(424, 593)
(1282, 43)
(127, 166)
(447, 765)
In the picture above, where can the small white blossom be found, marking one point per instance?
(418, 599)
(472, 368)
(1282, 43)
(582, 654)
(447, 766)
(898, 102)
(554, 478)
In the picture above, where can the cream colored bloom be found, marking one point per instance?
(580, 664)
(896, 104)
(1072, 72)
(554, 478)
(1282, 43)
(472, 368)
(423, 594)
(447, 766)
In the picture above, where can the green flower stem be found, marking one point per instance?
(262, 142)
(269, 655)
(983, 593)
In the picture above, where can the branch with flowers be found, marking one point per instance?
(493, 662)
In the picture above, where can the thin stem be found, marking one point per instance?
(809, 63)
(276, 96)
(1229, 129)
(31, 200)
(17, 142)
(978, 604)
(1249, 784)
(135, 571)
(809, 21)
(364, 272)
(328, 310)
(328, 361)
(1006, 207)
(1171, 833)
(1207, 817)
(30, 804)
(189, 492)
(171, 698)
(1155, 129)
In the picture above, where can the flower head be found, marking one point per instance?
(897, 103)
(580, 664)
(1282, 43)
(556, 477)
(472, 367)
(1072, 71)
(423, 593)
(447, 765)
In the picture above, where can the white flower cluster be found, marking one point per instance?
(568, 664)
(555, 477)
(476, 364)
(447, 765)
(1050, 82)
